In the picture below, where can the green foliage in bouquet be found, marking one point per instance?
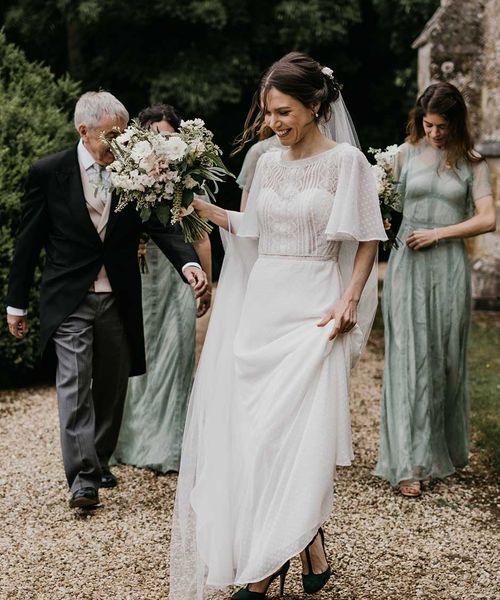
(34, 121)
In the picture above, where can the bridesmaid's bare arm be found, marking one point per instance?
(483, 221)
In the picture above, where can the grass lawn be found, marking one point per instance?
(484, 377)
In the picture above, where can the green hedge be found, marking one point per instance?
(35, 120)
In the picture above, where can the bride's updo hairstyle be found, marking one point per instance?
(445, 100)
(296, 75)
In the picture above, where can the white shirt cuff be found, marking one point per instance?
(16, 312)
(191, 264)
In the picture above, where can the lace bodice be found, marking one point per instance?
(303, 208)
(294, 206)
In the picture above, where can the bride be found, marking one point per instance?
(268, 419)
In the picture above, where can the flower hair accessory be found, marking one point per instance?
(327, 72)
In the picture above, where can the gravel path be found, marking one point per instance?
(444, 545)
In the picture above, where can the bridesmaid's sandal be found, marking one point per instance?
(410, 488)
(314, 582)
(247, 594)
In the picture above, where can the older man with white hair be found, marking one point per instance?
(90, 296)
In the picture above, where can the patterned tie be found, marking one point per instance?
(99, 177)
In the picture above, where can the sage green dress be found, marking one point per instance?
(249, 165)
(426, 306)
(155, 406)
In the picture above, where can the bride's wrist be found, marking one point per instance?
(217, 213)
(350, 298)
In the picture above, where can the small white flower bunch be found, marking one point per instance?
(327, 72)
(387, 187)
(160, 174)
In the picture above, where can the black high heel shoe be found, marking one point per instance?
(246, 594)
(313, 582)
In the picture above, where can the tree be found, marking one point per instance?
(205, 56)
(34, 121)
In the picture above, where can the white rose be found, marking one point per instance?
(140, 151)
(175, 148)
(159, 143)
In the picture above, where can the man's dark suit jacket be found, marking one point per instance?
(55, 217)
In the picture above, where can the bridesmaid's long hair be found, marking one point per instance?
(160, 112)
(296, 75)
(445, 99)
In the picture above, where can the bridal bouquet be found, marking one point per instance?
(161, 174)
(389, 196)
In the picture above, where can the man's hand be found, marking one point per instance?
(18, 326)
(204, 302)
(196, 279)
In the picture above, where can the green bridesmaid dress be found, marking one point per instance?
(249, 165)
(155, 406)
(426, 307)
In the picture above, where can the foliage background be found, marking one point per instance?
(33, 122)
(203, 56)
(206, 56)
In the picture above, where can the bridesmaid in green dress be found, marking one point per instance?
(426, 302)
(156, 403)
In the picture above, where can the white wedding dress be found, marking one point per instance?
(268, 419)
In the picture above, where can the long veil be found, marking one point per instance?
(340, 127)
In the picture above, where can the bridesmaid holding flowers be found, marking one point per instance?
(446, 197)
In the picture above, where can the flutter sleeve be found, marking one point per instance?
(355, 213)
(481, 185)
(399, 170)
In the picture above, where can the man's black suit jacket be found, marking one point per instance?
(55, 217)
